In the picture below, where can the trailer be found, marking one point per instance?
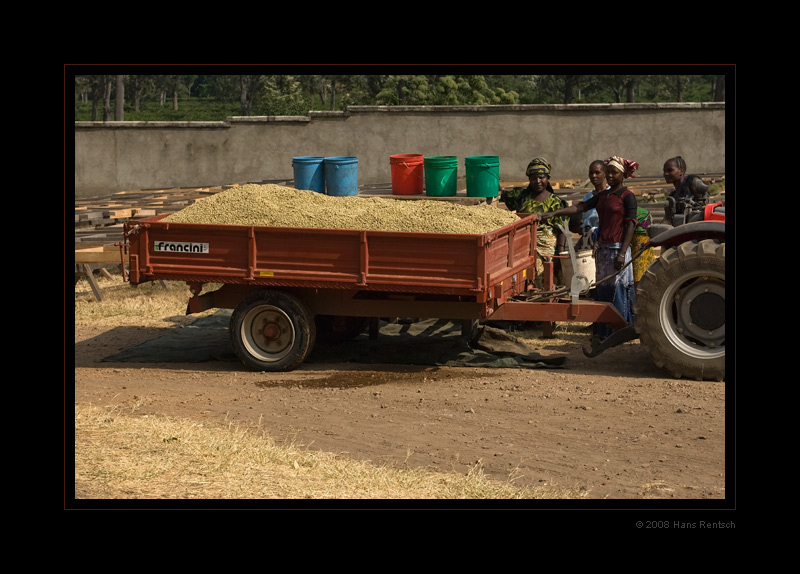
(287, 286)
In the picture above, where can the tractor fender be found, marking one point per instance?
(668, 236)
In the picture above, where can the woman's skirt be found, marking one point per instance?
(644, 260)
(617, 289)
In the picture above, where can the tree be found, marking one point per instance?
(83, 88)
(622, 87)
(321, 86)
(280, 95)
(162, 85)
(408, 90)
(297, 94)
(629, 85)
(139, 87)
(119, 99)
(106, 98)
(473, 91)
(570, 85)
(371, 85)
(333, 91)
(223, 87)
(679, 84)
(95, 86)
(249, 85)
(719, 88)
(175, 82)
(307, 86)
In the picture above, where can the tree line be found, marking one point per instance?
(111, 96)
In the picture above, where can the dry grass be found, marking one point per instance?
(564, 334)
(121, 301)
(121, 455)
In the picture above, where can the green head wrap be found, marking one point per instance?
(538, 166)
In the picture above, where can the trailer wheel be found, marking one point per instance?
(679, 310)
(272, 331)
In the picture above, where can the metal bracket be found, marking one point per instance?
(579, 282)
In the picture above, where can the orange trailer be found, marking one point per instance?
(287, 286)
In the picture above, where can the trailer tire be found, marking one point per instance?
(679, 310)
(272, 331)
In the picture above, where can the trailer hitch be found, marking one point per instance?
(597, 346)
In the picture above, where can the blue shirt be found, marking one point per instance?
(590, 218)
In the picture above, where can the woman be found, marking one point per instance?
(687, 187)
(539, 198)
(597, 177)
(616, 210)
(643, 260)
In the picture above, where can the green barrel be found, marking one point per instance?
(441, 172)
(483, 175)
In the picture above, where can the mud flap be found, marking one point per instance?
(618, 337)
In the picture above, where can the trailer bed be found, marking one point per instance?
(482, 266)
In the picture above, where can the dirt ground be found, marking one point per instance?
(614, 425)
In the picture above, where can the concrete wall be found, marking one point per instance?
(117, 156)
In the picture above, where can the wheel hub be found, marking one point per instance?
(707, 311)
(270, 331)
(273, 337)
(700, 312)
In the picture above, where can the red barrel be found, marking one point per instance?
(408, 173)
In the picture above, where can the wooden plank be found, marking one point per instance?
(98, 255)
(120, 213)
(86, 270)
(91, 215)
(113, 234)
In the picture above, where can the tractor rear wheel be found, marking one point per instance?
(679, 310)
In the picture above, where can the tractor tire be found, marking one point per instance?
(679, 310)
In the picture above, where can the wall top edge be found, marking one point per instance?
(540, 107)
(406, 109)
(140, 125)
(205, 125)
(262, 119)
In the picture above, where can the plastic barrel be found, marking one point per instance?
(341, 175)
(441, 172)
(585, 263)
(309, 173)
(483, 175)
(407, 173)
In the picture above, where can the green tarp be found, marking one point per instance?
(436, 342)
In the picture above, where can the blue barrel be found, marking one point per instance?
(309, 173)
(341, 175)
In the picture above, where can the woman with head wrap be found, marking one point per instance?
(539, 198)
(616, 211)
